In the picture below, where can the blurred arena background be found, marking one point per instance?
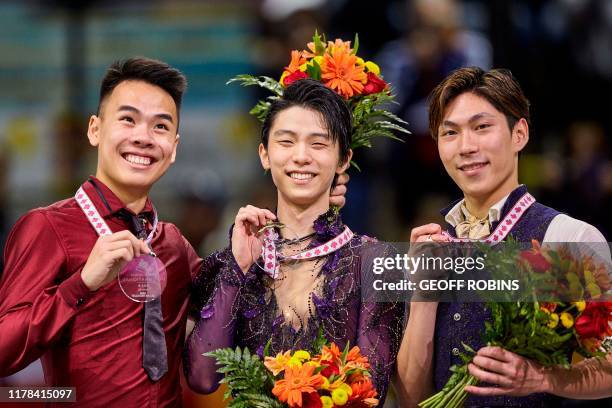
(53, 54)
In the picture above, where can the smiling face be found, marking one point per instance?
(478, 149)
(136, 135)
(302, 157)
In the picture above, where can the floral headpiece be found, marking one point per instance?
(337, 65)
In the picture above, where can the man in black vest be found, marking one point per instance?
(480, 122)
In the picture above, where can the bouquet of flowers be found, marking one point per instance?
(330, 379)
(337, 65)
(545, 332)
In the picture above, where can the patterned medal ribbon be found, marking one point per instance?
(97, 222)
(271, 257)
(505, 226)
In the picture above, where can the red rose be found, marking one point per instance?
(536, 260)
(311, 400)
(593, 322)
(331, 369)
(374, 84)
(296, 76)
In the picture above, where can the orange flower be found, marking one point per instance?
(279, 363)
(310, 52)
(364, 392)
(355, 355)
(341, 73)
(339, 45)
(297, 380)
(331, 353)
(297, 59)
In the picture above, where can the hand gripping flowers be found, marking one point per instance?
(576, 316)
(338, 66)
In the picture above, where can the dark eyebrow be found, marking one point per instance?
(473, 119)
(280, 132)
(129, 108)
(479, 116)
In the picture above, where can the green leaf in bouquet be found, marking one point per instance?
(468, 348)
(243, 372)
(250, 400)
(313, 69)
(319, 342)
(260, 110)
(266, 350)
(265, 82)
(355, 44)
(345, 352)
(319, 43)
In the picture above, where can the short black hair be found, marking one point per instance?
(148, 70)
(311, 94)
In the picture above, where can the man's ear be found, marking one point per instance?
(93, 130)
(176, 142)
(342, 167)
(263, 157)
(520, 135)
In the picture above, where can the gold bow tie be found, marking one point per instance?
(473, 228)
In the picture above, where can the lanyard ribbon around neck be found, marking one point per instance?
(271, 257)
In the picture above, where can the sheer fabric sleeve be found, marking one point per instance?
(381, 320)
(221, 278)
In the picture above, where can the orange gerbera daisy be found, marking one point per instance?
(297, 380)
(341, 73)
(279, 363)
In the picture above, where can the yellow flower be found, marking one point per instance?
(340, 396)
(327, 402)
(360, 61)
(554, 320)
(325, 385)
(567, 320)
(294, 362)
(315, 364)
(580, 305)
(372, 67)
(346, 388)
(301, 355)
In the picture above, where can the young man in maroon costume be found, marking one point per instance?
(59, 297)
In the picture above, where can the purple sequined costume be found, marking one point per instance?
(241, 310)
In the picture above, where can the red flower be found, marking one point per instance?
(593, 322)
(331, 369)
(374, 84)
(311, 400)
(550, 306)
(296, 76)
(537, 261)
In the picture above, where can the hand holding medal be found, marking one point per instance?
(141, 275)
(246, 241)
